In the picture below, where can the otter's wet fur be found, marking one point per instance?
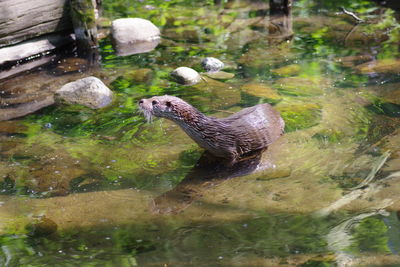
(251, 129)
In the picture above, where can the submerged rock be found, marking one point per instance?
(89, 91)
(261, 90)
(388, 65)
(134, 35)
(288, 70)
(237, 40)
(212, 64)
(217, 94)
(257, 56)
(42, 227)
(139, 75)
(220, 75)
(186, 76)
(298, 86)
(43, 169)
(351, 61)
(188, 33)
(240, 24)
(380, 93)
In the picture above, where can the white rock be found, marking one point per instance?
(89, 91)
(129, 34)
(185, 75)
(212, 64)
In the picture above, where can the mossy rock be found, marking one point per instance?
(388, 65)
(299, 86)
(139, 75)
(392, 96)
(351, 61)
(189, 33)
(219, 75)
(299, 117)
(217, 94)
(288, 70)
(261, 90)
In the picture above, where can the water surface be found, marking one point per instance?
(82, 187)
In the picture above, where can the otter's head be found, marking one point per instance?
(166, 106)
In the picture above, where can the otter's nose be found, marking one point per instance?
(141, 101)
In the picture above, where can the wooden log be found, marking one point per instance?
(281, 25)
(34, 47)
(25, 19)
(84, 21)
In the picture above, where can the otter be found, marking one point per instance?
(231, 138)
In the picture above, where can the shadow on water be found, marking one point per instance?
(208, 172)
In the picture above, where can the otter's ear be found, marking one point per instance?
(168, 104)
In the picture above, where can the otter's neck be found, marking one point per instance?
(193, 122)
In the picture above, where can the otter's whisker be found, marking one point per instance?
(148, 115)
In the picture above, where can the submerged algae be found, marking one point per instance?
(299, 117)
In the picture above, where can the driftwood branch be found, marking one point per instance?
(354, 16)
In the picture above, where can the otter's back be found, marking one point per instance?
(256, 127)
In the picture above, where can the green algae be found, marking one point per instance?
(370, 236)
(299, 117)
(329, 135)
(84, 12)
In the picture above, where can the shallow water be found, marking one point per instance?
(82, 187)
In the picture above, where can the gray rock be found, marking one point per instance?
(89, 91)
(185, 75)
(212, 64)
(134, 35)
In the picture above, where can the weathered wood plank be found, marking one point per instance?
(33, 47)
(14, 70)
(24, 19)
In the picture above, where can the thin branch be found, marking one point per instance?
(354, 16)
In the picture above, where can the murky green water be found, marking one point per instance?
(83, 187)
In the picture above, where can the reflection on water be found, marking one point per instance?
(82, 187)
(136, 48)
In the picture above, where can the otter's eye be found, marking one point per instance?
(168, 104)
(155, 102)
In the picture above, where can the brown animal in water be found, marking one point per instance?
(251, 129)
